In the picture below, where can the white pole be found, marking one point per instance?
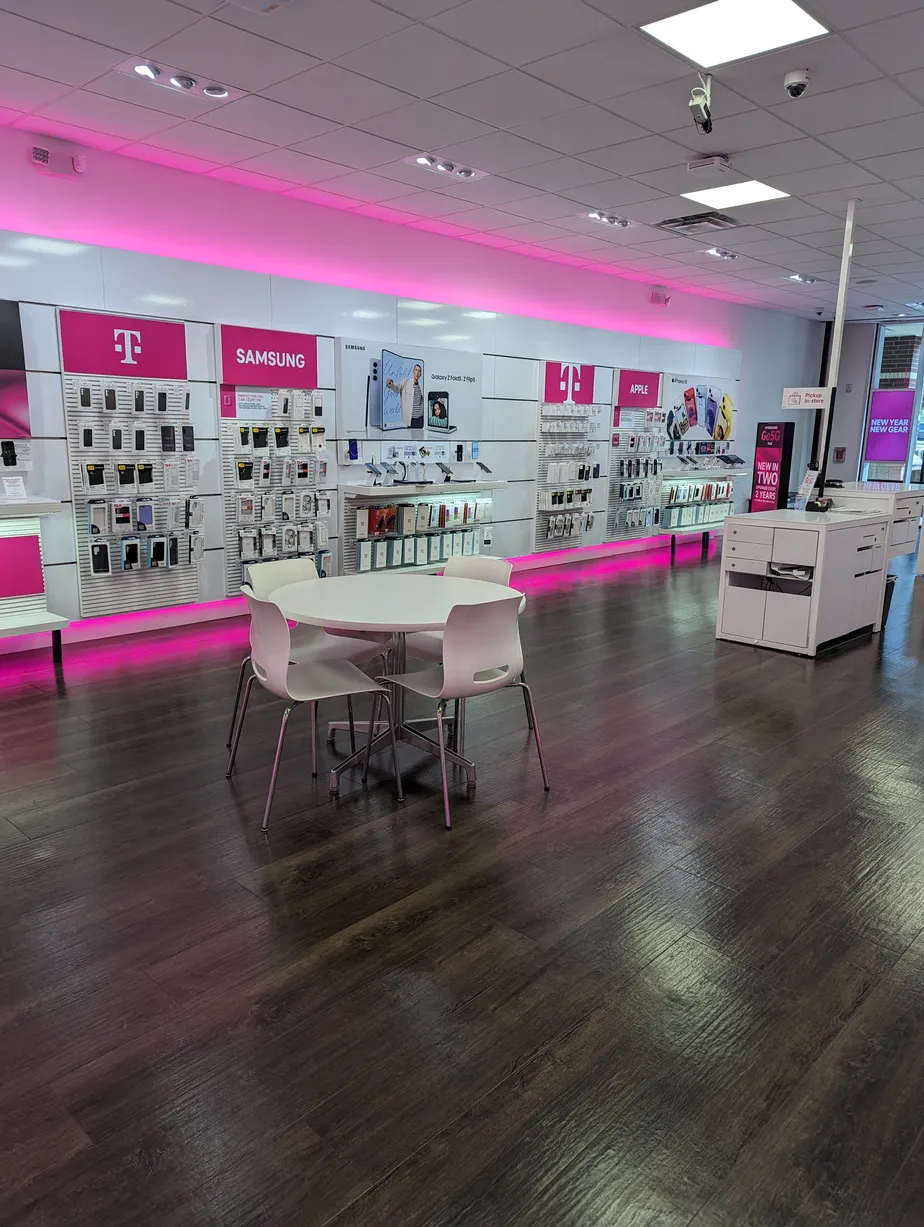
(837, 338)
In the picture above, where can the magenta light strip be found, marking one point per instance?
(584, 553)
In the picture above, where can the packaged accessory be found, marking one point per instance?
(99, 558)
(97, 517)
(131, 554)
(144, 515)
(157, 551)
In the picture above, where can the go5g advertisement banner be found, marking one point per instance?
(406, 392)
(699, 408)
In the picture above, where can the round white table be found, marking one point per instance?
(394, 604)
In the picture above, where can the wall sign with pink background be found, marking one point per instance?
(888, 432)
(128, 345)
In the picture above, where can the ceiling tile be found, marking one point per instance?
(33, 48)
(324, 31)
(613, 194)
(198, 141)
(24, 92)
(832, 62)
(872, 217)
(336, 94)
(636, 157)
(422, 60)
(296, 167)
(139, 92)
(677, 179)
(824, 179)
(424, 126)
(532, 232)
(70, 132)
(739, 133)
(420, 10)
(887, 136)
(267, 121)
(899, 230)
(546, 207)
(664, 108)
(248, 178)
(491, 190)
(784, 158)
(912, 187)
(867, 193)
(361, 185)
(519, 31)
(350, 147)
(628, 61)
(894, 44)
(168, 157)
(434, 204)
(847, 108)
(113, 23)
(498, 153)
(579, 129)
(101, 114)
(581, 243)
(559, 174)
(231, 56)
(418, 178)
(894, 166)
(505, 100)
(773, 211)
(484, 219)
(913, 82)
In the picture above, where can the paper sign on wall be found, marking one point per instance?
(97, 344)
(806, 398)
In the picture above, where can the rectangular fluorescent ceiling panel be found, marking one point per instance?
(734, 195)
(728, 30)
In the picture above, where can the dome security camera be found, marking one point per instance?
(796, 82)
(819, 310)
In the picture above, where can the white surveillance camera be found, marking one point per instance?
(701, 105)
(796, 82)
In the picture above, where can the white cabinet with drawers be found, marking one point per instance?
(795, 580)
(905, 506)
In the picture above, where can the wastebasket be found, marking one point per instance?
(887, 599)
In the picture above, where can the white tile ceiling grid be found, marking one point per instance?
(564, 102)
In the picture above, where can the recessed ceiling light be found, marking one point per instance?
(733, 195)
(802, 278)
(442, 166)
(608, 219)
(873, 306)
(465, 172)
(216, 91)
(425, 160)
(446, 167)
(721, 253)
(151, 71)
(915, 306)
(183, 82)
(729, 30)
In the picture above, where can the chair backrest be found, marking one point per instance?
(269, 644)
(479, 566)
(481, 647)
(265, 577)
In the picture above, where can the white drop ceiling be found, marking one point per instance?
(564, 102)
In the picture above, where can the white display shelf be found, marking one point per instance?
(669, 475)
(447, 489)
(32, 505)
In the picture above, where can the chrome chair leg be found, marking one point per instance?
(314, 740)
(529, 714)
(460, 734)
(442, 745)
(371, 737)
(236, 740)
(531, 711)
(237, 699)
(352, 725)
(454, 731)
(386, 699)
(272, 787)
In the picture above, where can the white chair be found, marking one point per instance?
(428, 645)
(481, 654)
(306, 682)
(308, 643)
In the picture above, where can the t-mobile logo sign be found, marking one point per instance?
(568, 384)
(128, 344)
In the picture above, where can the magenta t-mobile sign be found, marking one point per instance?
(891, 414)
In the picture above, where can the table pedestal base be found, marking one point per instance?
(405, 732)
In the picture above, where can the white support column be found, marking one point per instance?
(837, 338)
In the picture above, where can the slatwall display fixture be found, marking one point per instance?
(570, 461)
(274, 473)
(698, 499)
(134, 477)
(413, 527)
(637, 448)
(23, 606)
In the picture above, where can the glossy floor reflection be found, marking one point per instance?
(687, 987)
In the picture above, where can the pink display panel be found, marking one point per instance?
(768, 464)
(264, 358)
(567, 384)
(888, 433)
(95, 344)
(639, 390)
(20, 567)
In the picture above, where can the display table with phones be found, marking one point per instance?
(23, 606)
(797, 580)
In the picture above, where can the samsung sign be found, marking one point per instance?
(260, 357)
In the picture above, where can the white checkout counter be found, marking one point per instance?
(795, 580)
(903, 505)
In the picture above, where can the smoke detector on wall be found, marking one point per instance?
(709, 168)
(50, 157)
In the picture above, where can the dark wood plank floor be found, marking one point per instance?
(686, 987)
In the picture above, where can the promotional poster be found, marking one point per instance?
(888, 433)
(15, 429)
(772, 461)
(699, 408)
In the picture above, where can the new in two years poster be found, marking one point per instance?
(15, 430)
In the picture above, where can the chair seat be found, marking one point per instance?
(311, 646)
(330, 679)
(425, 645)
(429, 682)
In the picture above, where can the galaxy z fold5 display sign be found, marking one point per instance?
(15, 430)
(408, 391)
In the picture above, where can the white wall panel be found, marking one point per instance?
(326, 356)
(58, 543)
(511, 461)
(209, 455)
(49, 474)
(46, 405)
(445, 326)
(516, 378)
(39, 335)
(513, 540)
(487, 375)
(603, 385)
(657, 354)
(140, 284)
(203, 410)
(61, 590)
(515, 502)
(200, 352)
(212, 576)
(510, 419)
(51, 271)
(714, 362)
(213, 521)
(331, 310)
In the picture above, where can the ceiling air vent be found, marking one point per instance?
(698, 224)
(263, 7)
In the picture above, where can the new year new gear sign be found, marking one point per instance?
(265, 358)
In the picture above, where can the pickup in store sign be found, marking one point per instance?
(97, 344)
(264, 358)
(638, 390)
(806, 398)
(568, 384)
(889, 431)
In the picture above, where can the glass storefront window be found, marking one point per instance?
(894, 441)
